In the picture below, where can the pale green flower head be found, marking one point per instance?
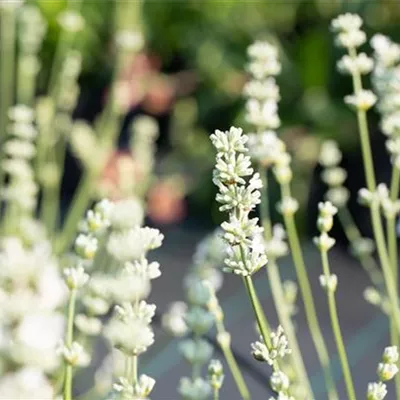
(196, 351)
(199, 320)
(376, 391)
(215, 374)
(279, 381)
(197, 389)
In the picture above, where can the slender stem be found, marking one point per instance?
(196, 370)
(337, 331)
(364, 134)
(285, 320)
(392, 246)
(7, 62)
(68, 343)
(277, 291)
(353, 235)
(76, 211)
(26, 88)
(135, 369)
(395, 183)
(232, 364)
(216, 394)
(385, 262)
(308, 301)
(393, 257)
(391, 223)
(258, 311)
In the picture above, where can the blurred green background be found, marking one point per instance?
(200, 51)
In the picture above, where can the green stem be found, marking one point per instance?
(392, 246)
(258, 311)
(391, 223)
(232, 364)
(337, 331)
(68, 343)
(308, 301)
(393, 257)
(7, 62)
(135, 369)
(26, 80)
(353, 235)
(196, 370)
(76, 211)
(385, 262)
(364, 134)
(278, 293)
(216, 394)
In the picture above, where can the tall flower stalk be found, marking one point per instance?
(329, 282)
(350, 36)
(288, 206)
(245, 252)
(261, 112)
(334, 177)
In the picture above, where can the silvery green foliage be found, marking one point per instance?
(245, 253)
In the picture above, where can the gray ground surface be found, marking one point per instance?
(364, 328)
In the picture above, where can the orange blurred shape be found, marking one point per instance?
(165, 203)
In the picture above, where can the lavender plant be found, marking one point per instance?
(60, 296)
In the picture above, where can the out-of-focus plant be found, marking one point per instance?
(107, 266)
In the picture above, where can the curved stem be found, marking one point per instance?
(337, 331)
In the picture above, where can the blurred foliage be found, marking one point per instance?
(209, 37)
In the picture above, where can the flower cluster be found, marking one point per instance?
(31, 295)
(129, 330)
(245, 253)
(348, 30)
(276, 351)
(215, 375)
(349, 35)
(380, 198)
(21, 191)
(262, 94)
(195, 316)
(387, 369)
(386, 83)
(324, 242)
